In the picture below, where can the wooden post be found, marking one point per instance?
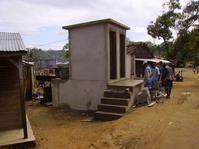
(22, 100)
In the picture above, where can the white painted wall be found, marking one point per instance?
(89, 67)
(88, 56)
(79, 95)
(118, 31)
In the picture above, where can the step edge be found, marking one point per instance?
(113, 105)
(109, 113)
(116, 98)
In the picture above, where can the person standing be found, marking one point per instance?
(163, 74)
(147, 81)
(169, 80)
(147, 74)
(194, 68)
(156, 76)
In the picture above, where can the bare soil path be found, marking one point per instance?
(169, 125)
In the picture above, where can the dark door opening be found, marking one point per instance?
(122, 56)
(113, 55)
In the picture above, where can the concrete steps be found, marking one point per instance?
(116, 94)
(113, 105)
(112, 108)
(114, 101)
(107, 116)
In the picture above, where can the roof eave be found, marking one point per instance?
(12, 53)
(111, 21)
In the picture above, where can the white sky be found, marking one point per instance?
(40, 21)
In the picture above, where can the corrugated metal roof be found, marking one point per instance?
(11, 42)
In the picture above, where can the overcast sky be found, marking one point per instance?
(41, 21)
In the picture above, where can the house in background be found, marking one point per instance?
(139, 50)
(45, 70)
(14, 127)
(45, 63)
(99, 64)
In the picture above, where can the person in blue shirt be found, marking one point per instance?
(147, 75)
(148, 82)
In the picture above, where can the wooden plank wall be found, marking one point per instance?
(10, 110)
(27, 80)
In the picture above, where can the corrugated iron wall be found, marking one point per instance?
(10, 109)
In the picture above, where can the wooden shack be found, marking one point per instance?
(28, 79)
(13, 121)
(139, 50)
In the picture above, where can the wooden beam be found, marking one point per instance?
(12, 54)
(22, 100)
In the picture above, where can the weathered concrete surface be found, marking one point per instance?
(89, 67)
(118, 31)
(78, 94)
(135, 86)
(88, 54)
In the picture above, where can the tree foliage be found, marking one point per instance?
(155, 49)
(35, 54)
(185, 46)
(67, 52)
(190, 16)
(162, 26)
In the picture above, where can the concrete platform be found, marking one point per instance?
(15, 137)
(126, 83)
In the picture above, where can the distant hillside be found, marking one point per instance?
(36, 54)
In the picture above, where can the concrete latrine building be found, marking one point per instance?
(98, 60)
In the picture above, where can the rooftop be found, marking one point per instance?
(111, 21)
(11, 42)
(132, 47)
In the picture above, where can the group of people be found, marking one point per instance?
(158, 77)
(195, 69)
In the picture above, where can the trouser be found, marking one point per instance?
(168, 87)
(148, 94)
(168, 91)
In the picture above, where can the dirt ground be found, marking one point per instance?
(169, 125)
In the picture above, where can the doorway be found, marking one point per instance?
(122, 56)
(113, 55)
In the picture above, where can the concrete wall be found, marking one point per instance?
(88, 56)
(133, 72)
(135, 92)
(90, 52)
(128, 66)
(78, 94)
(89, 67)
(10, 108)
(88, 70)
(118, 31)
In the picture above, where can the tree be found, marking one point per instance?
(154, 48)
(66, 46)
(36, 54)
(162, 26)
(66, 49)
(190, 16)
(186, 47)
